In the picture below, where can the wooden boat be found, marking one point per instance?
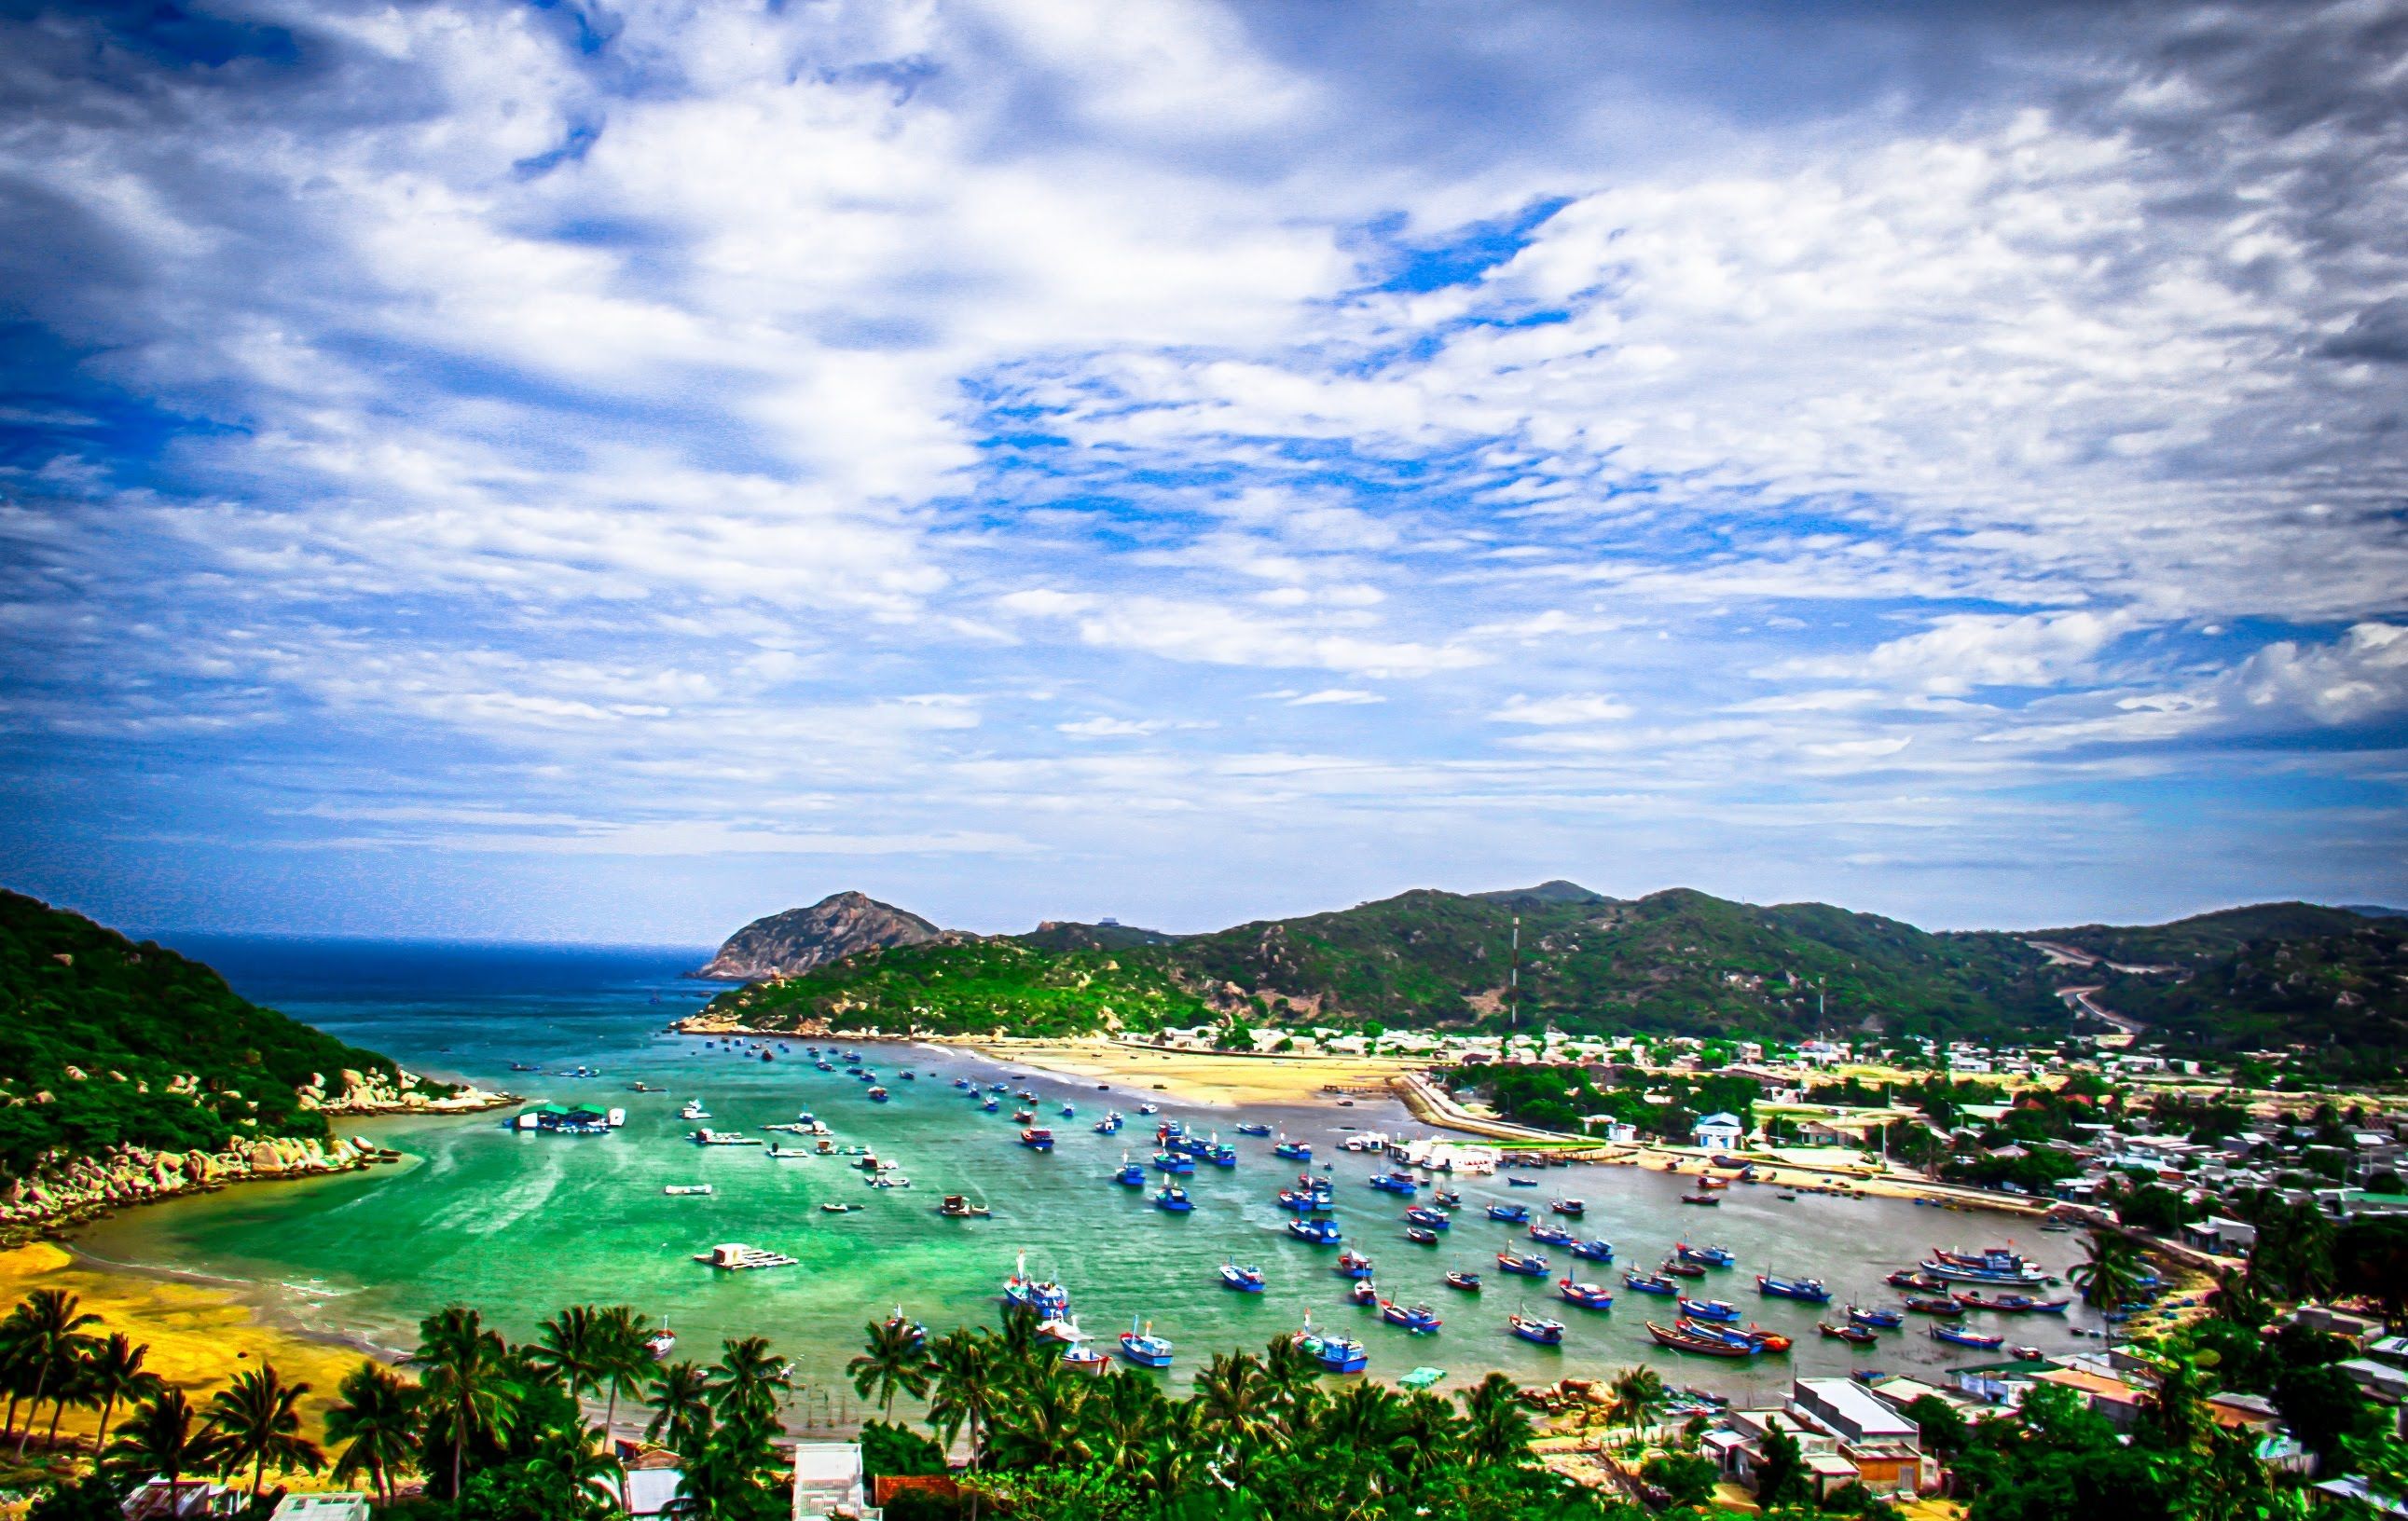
(1534, 1328)
(1650, 1283)
(1419, 1319)
(1420, 1237)
(1529, 1264)
(956, 1207)
(1703, 1345)
(1587, 1295)
(1700, 1198)
(1923, 1283)
(1852, 1335)
(2015, 1304)
(1876, 1320)
(1674, 1267)
(1945, 1308)
(1468, 1281)
(1958, 1336)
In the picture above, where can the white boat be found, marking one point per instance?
(784, 1153)
(723, 1138)
(693, 1110)
(687, 1188)
(737, 1257)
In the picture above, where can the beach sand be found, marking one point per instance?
(1216, 1077)
(200, 1336)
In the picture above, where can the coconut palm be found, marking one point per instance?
(466, 1377)
(163, 1436)
(569, 1346)
(580, 1454)
(966, 1387)
(2109, 1275)
(255, 1423)
(48, 1333)
(1291, 1373)
(114, 1374)
(623, 1360)
(894, 1360)
(1428, 1432)
(1495, 1428)
(377, 1420)
(681, 1408)
(748, 1377)
(1235, 1402)
(1637, 1391)
(1041, 1426)
(1120, 1419)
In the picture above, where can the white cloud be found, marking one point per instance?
(1571, 707)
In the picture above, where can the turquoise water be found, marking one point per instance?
(521, 1223)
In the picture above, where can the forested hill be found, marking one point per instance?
(1676, 961)
(104, 1041)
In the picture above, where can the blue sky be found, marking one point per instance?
(607, 471)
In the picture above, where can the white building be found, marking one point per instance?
(828, 1478)
(1718, 1131)
(327, 1507)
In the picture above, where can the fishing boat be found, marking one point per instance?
(1924, 1283)
(888, 1180)
(1945, 1309)
(1593, 1251)
(1244, 1280)
(1708, 1200)
(1468, 1281)
(1069, 1112)
(1753, 1337)
(1705, 1256)
(1448, 1199)
(1318, 1233)
(1574, 1208)
(1149, 1109)
(1419, 1319)
(1429, 1218)
(723, 1138)
(1587, 1295)
(1353, 1264)
(1534, 1328)
(956, 1207)
(840, 1209)
(1421, 1237)
(1509, 1213)
(1809, 1289)
(824, 1066)
(1960, 1336)
(1221, 1155)
(1336, 1354)
(1649, 1283)
(964, 1084)
(1025, 1096)
(1521, 1183)
(1130, 1175)
(1081, 1358)
(1720, 1311)
(693, 1110)
(912, 1330)
(1364, 1292)
(1672, 1267)
(1682, 1340)
(1991, 1265)
(1170, 1197)
(1110, 1124)
(1037, 1138)
(991, 1106)
(1294, 1151)
(1304, 1204)
(737, 1257)
(1144, 1348)
(2015, 1304)
(877, 1095)
(1852, 1335)
(2024, 1353)
(1877, 1319)
(1171, 1162)
(1396, 1183)
(687, 1190)
(1048, 1298)
(659, 1344)
(1554, 1235)
(1023, 1117)
(1254, 1129)
(1528, 1264)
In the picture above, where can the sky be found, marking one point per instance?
(605, 471)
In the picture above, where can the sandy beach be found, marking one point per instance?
(1216, 1077)
(199, 1335)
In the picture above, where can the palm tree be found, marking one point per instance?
(894, 1360)
(1235, 1402)
(378, 1422)
(1496, 1430)
(569, 1345)
(623, 1358)
(1291, 1373)
(747, 1378)
(966, 1387)
(113, 1375)
(2108, 1275)
(579, 1453)
(255, 1423)
(467, 1390)
(1637, 1391)
(164, 1436)
(48, 1331)
(681, 1409)
(1043, 1422)
(1118, 1421)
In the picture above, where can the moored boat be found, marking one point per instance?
(1554, 1235)
(1143, 1348)
(1420, 1236)
(1173, 1163)
(1528, 1264)
(1574, 1208)
(1318, 1233)
(1509, 1213)
(1700, 1198)
(1419, 1319)
(1336, 1354)
(1649, 1283)
(1172, 1198)
(1852, 1335)
(1048, 1298)
(1809, 1289)
(1130, 1175)
(956, 1207)
(1594, 1251)
(1306, 1203)
(1353, 1264)
(1679, 1340)
(1947, 1309)
(1717, 1310)
(1244, 1280)
(1706, 1256)
(1468, 1281)
(1876, 1318)
(1587, 1295)
(1037, 1138)
(1536, 1329)
(1294, 1151)
(1960, 1336)
(2014, 1305)
(1430, 1219)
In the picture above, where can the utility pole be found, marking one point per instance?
(1513, 979)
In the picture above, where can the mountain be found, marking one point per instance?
(1555, 891)
(1067, 934)
(2203, 936)
(839, 925)
(105, 1042)
(2374, 911)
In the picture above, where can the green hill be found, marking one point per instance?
(104, 1041)
(2344, 992)
(2206, 936)
(969, 985)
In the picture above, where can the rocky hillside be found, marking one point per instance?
(839, 925)
(127, 1071)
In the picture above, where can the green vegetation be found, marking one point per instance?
(104, 1042)
(1559, 1098)
(968, 985)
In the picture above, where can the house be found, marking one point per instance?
(334, 1506)
(2225, 1238)
(2360, 1329)
(650, 1491)
(1717, 1132)
(156, 1497)
(1884, 1447)
(828, 1478)
(2378, 1380)
(2109, 1396)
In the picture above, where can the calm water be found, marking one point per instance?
(520, 1225)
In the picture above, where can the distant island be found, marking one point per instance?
(2333, 980)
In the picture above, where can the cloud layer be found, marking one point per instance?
(1194, 460)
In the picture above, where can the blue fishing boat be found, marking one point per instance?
(1991, 1265)
(1595, 1251)
(1304, 1204)
(1319, 1232)
(991, 1106)
(1173, 1197)
(1721, 1311)
(1419, 1319)
(1109, 1124)
(1049, 1299)
(998, 1088)
(1337, 1354)
(964, 1083)
(1068, 1112)
(878, 1095)
(1222, 1156)
(1809, 1289)
(1294, 1151)
(1353, 1264)
(1244, 1280)
(1396, 1183)
(1710, 1257)
(1170, 1128)
(1958, 1336)
(1535, 1328)
(1130, 1175)
(1169, 1162)
(1037, 1138)
(1254, 1129)
(1528, 1264)
(1587, 1295)
(1430, 1218)
(1420, 1237)
(1554, 1235)
(1144, 1348)
(1509, 1213)
(1649, 1283)
(1885, 1319)
(916, 1333)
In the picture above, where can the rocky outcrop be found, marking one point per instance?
(83, 1186)
(396, 1093)
(836, 926)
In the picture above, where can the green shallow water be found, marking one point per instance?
(520, 1224)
